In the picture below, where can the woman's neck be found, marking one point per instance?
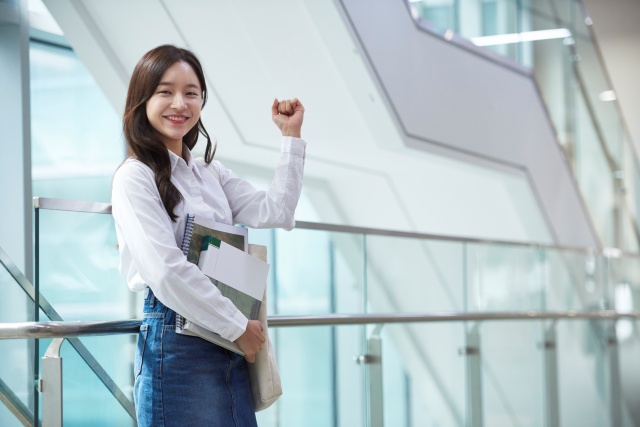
(180, 149)
(175, 147)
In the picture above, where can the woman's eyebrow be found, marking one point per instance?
(172, 84)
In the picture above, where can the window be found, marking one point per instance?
(76, 135)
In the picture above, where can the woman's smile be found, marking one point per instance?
(178, 120)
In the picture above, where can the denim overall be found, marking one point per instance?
(187, 381)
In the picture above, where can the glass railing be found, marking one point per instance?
(77, 259)
(555, 40)
(16, 369)
(501, 372)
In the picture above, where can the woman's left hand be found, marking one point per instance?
(288, 116)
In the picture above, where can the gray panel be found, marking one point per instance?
(446, 96)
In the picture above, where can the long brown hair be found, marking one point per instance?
(142, 139)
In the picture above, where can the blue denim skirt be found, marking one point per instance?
(187, 381)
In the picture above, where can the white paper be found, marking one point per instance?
(236, 268)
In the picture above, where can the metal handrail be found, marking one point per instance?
(29, 330)
(69, 329)
(105, 208)
(364, 319)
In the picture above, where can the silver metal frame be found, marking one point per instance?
(24, 330)
(50, 385)
(71, 205)
(105, 208)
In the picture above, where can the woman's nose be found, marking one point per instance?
(178, 102)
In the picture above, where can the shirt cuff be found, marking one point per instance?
(235, 327)
(295, 146)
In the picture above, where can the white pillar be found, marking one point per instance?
(15, 191)
(15, 146)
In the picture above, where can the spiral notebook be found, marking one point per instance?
(221, 251)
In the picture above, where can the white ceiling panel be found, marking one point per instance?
(358, 157)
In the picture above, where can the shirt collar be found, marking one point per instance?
(190, 163)
(175, 159)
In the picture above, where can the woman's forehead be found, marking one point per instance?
(180, 73)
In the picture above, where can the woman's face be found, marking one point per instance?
(174, 107)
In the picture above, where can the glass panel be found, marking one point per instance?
(578, 281)
(303, 283)
(625, 294)
(79, 278)
(328, 278)
(79, 267)
(86, 401)
(582, 365)
(593, 172)
(512, 373)
(423, 374)
(74, 154)
(321, 376)
(16, 369)
(506, 278)
(411, 275)
(631, 195)
(441, 13)
(322, 384)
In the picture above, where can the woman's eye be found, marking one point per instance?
(192, 94)
(164, 92)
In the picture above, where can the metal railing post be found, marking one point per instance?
(474, 377)
(615, 385)
(549, 348)
(612, 276)
(50, 385)
(373, 364)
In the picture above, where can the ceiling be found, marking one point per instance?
(374, 159)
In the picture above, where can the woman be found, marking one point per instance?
(179, 379)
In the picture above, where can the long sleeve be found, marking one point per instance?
(149, 250)
(276, 206)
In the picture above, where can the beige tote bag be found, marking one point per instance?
(263, 373)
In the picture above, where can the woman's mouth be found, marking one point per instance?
(176, 119)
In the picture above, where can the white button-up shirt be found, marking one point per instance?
(150, 242)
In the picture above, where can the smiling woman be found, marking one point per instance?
(179, 377)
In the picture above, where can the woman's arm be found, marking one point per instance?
(148, 249)
(276, 206)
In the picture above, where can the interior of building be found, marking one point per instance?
(470, 201)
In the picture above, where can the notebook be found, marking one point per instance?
(221, 252)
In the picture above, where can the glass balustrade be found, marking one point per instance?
(498, 373)
(78, 275)
(554, 39)
(16, 369)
